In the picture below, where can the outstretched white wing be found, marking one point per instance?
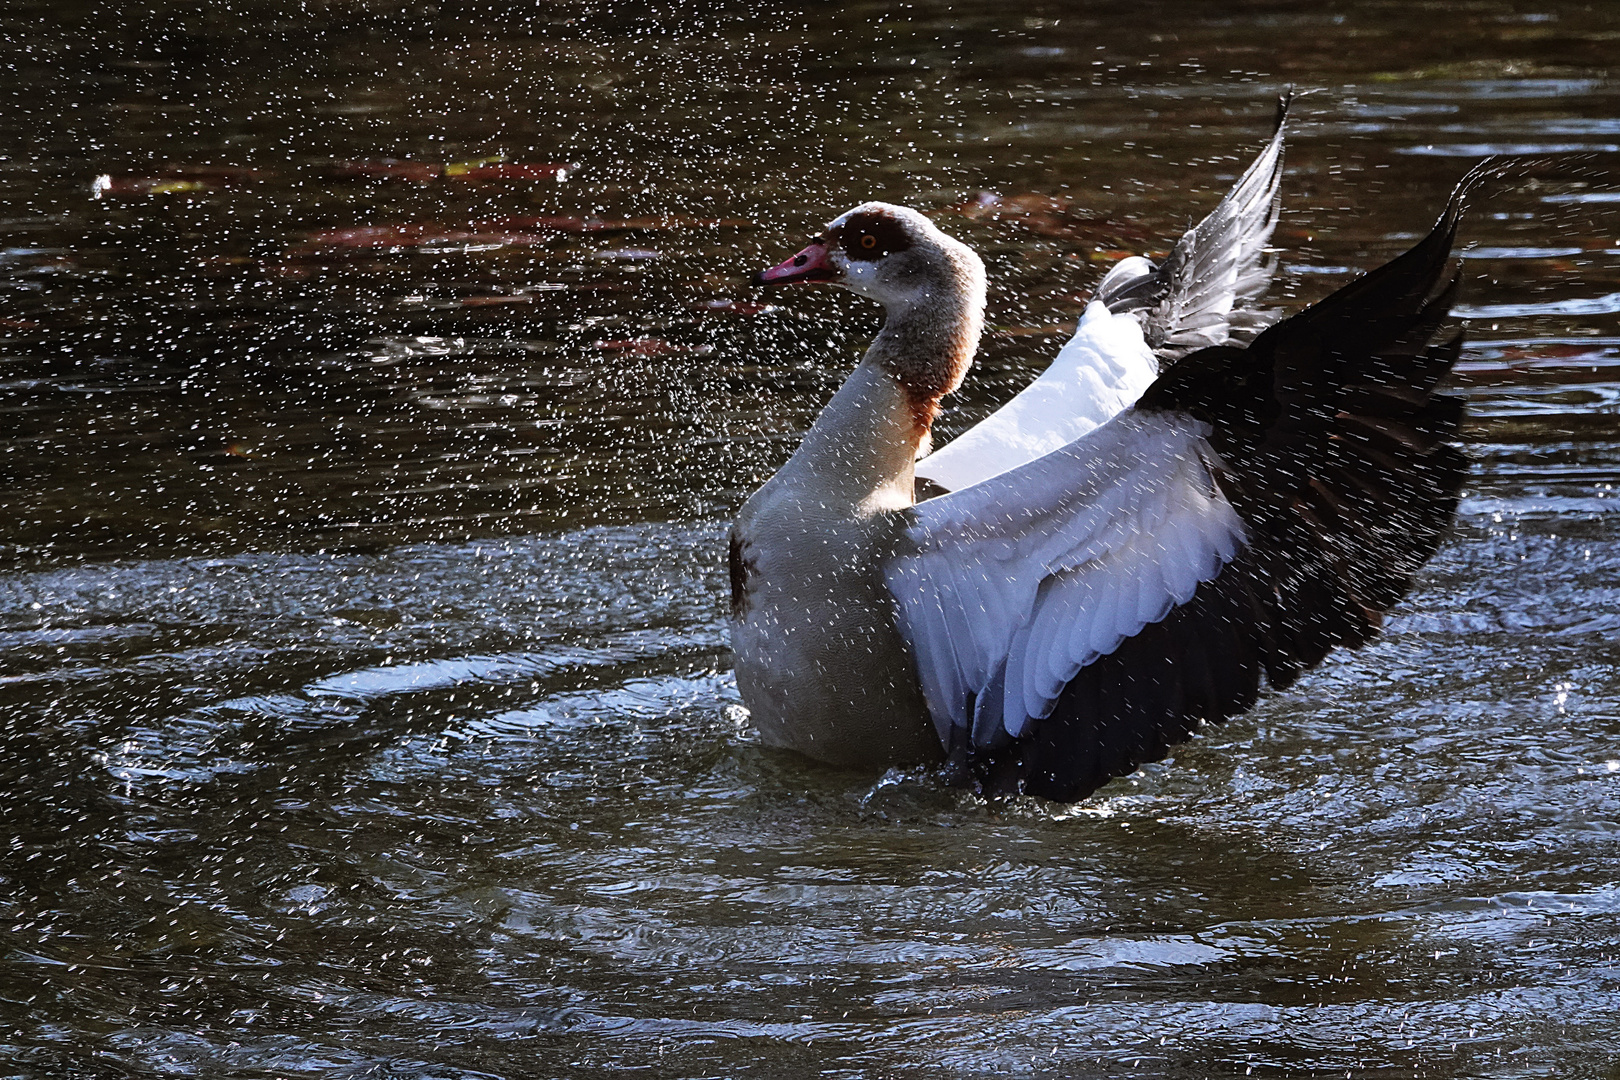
(1013, 585)
(1077, 615)
(1103, 369)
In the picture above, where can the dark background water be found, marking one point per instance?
(366, 703)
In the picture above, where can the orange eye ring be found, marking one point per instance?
(868, 241)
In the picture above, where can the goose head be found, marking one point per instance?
(931, 286)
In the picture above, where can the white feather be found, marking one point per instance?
(1104, 368)
(1041, 570)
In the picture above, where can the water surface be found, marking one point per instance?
(366, 698)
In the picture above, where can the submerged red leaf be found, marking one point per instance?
(546, 223)
(494, 301)
(416, 236)
(653, 347)
(421, 172)
(570, 224)
(520, 230)
(373, 236)
(1054, 216)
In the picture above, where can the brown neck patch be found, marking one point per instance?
(928, 361)
(924, 411)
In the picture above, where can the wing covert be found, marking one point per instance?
(1011, 586)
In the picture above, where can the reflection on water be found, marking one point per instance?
(378, 382)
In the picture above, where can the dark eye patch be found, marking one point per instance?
(869, 237)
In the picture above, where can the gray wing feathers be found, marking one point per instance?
(1008, 587)
(1204, 293)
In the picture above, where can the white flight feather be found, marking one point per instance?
(1041, 570)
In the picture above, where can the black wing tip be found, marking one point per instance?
(1409, 280)
(1578, 165)
(1427, 258)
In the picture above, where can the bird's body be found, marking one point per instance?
(819, 655)
(1186, 504)
(820, 659)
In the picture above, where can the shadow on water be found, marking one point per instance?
(378, 381)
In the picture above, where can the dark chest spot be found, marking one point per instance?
(741, 565)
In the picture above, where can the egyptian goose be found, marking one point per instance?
(1191, 504)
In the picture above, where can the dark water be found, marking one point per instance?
(367, 707)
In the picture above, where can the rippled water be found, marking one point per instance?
(367, 705)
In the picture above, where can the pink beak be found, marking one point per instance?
(811, 264)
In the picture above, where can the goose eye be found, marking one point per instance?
(868, 241)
